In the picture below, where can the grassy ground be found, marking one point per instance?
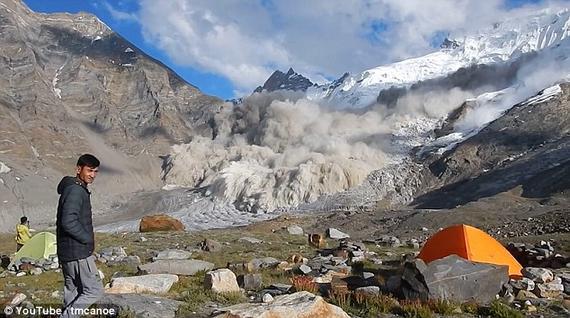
(277, 243)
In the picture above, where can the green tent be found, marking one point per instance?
(41, 245)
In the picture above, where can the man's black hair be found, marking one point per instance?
(88, 160)
(23, 219)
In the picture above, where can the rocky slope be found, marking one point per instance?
(70, 85)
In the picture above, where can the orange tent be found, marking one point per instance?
(470, 243)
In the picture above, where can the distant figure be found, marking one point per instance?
(22, 233)
(76, 240)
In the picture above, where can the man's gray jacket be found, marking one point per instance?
(75, 239)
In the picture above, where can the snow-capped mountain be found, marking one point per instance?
(501, 42)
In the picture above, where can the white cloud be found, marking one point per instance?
(246, 41)
(118, 14)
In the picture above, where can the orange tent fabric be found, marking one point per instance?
(470, 243)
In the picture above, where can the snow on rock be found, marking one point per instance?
(4, 168)
(545, 95)
(54, 81)
(484, 109)
(500, 42)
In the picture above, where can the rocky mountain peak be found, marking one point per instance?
(291, 80)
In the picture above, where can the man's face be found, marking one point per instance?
(87, 174)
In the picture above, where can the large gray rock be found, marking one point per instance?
(172, 254)
(155, 283)
(177, 267)
(297, 305)
(453, 278)
(141, 305)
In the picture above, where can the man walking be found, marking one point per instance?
(22, 233)
(75, 239)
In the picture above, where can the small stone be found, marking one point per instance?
(20, 274)
(143, 239)
(36, 271)
(250, 240)
(357, 254)
(295, 230)
(531, 308)
(538, 275)
(172, 255)
(18, 299)
(367, 275)
(336, 234)
(369, 290)
(305, 269)
(549, 290)
(424, 229)
(267, 298)
(261, 263)
(281, 287)
(523, 284)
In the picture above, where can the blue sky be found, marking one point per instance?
(226, 48)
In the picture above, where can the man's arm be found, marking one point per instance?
(27, 232)
(72, 201)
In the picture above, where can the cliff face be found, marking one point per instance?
(69, 85)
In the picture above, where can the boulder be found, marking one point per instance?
(160, 222)
(178, 267)
(156, 283)
(297, 305)
(336, 234)
(295, 230)
(549, 290)
(221, 281)
(172, 254)
(250, 281)
(141, 305)
(538, 275)
(453, 278)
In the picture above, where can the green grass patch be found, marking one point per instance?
(498, 309)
